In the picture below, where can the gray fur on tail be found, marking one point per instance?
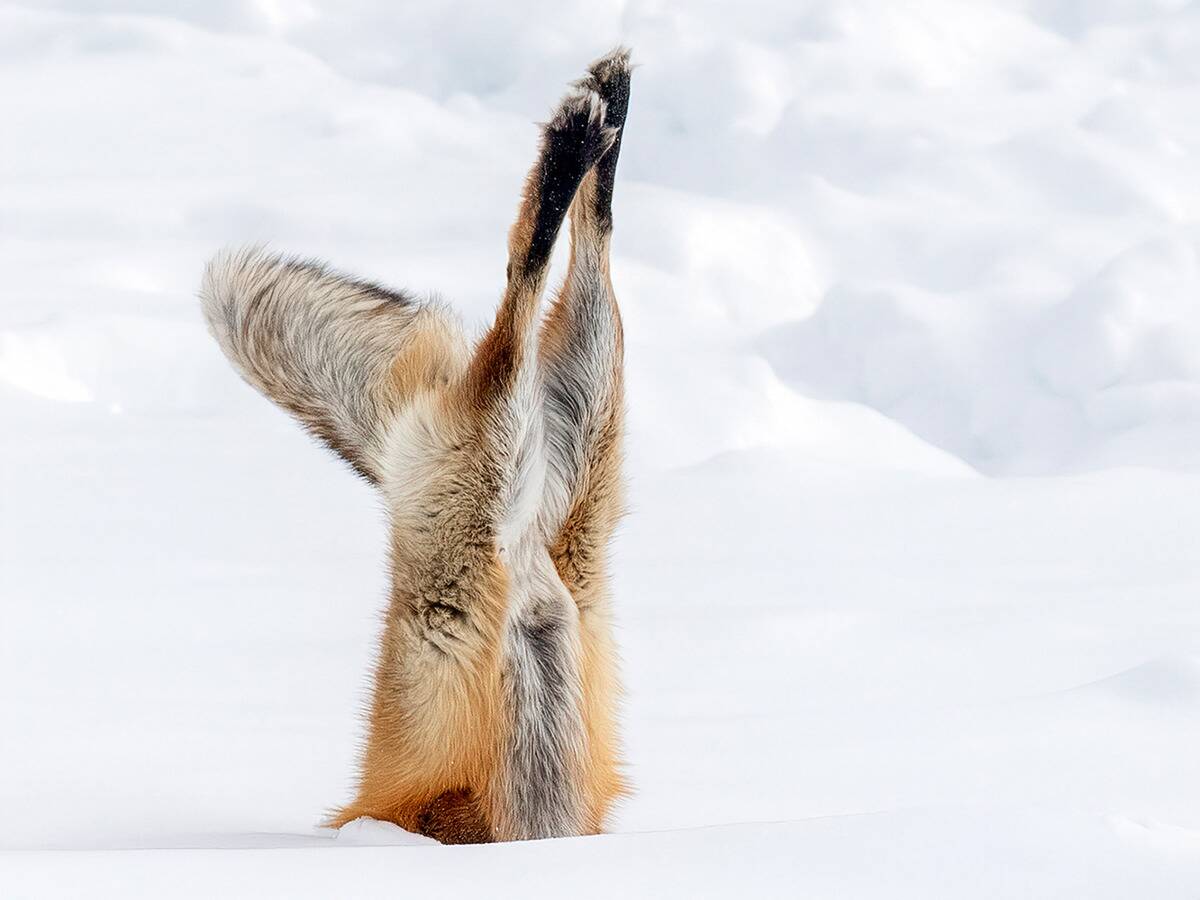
(317, 343)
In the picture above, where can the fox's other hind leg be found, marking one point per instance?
(539, 779)
(582, 343)
(581, 356)
(476, 729)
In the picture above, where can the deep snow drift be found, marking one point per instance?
(908, 591)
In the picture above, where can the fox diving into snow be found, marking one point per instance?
(493, 715)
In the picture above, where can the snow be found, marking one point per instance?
(907, 593)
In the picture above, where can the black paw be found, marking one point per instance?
(578, 134)
(572, 143)
(609, 77)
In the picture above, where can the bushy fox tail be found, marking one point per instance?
(338, 353)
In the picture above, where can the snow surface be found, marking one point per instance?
(908, 592)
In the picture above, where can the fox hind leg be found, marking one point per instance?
(543, 760)
(581, 357)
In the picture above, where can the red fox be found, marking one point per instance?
(494, 709)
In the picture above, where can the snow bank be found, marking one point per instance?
(975, 220)
(902, 855)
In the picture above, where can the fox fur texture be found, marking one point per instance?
(494, 708)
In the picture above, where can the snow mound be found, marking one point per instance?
(365, 832)
(1108, 375)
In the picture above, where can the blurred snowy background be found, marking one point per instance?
(912, 305)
